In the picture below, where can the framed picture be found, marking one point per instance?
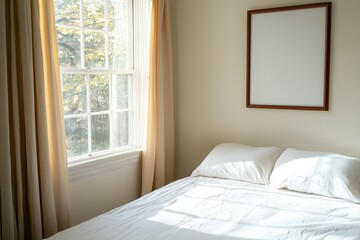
(288, 57)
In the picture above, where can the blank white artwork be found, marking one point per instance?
(288, 57)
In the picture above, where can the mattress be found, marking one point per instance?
(212, 208)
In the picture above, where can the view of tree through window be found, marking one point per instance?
(96, 61)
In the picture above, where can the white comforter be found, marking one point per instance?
(209, 208)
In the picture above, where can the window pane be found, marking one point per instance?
(69, 46)
(119, 51)
(67, 12)
(99, 92)
(74, 93)
(122, 128)
(94, 49)
(94, 14)
(118, 14)
(76, 136)
(119, 24)
(121, 92)
(100, 130)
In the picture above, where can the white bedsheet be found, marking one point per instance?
(209, 208)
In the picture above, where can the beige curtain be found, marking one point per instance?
(158, 156)
(33, 167)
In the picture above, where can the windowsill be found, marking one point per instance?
(103, 164)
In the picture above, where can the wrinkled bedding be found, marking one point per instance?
(211, 208)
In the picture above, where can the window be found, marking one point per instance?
(101, 74)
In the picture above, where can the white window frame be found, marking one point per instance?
(107, 160)
(88, 114)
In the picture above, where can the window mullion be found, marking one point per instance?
(82, 36)
(96, 71)
(88, 102)
(106, 8)
(99, 113)
(123, 110)
(107, 66)
(75, 115)
(111, 111)
(131, 33)
(87, 76)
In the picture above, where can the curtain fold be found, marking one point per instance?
(158, 155)
(34, 179)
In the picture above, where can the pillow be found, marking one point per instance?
(239, 162)
(321, 173)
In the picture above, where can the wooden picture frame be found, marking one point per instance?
(288, 57)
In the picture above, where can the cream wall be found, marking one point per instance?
(99, 193)
(209, 50)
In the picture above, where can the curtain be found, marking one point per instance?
(158, 155)
(33, 169)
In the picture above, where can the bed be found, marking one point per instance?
(229, 208)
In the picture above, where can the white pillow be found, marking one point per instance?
(239, 162)
(326, 174)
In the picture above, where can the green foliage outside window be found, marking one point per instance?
(94, 35)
